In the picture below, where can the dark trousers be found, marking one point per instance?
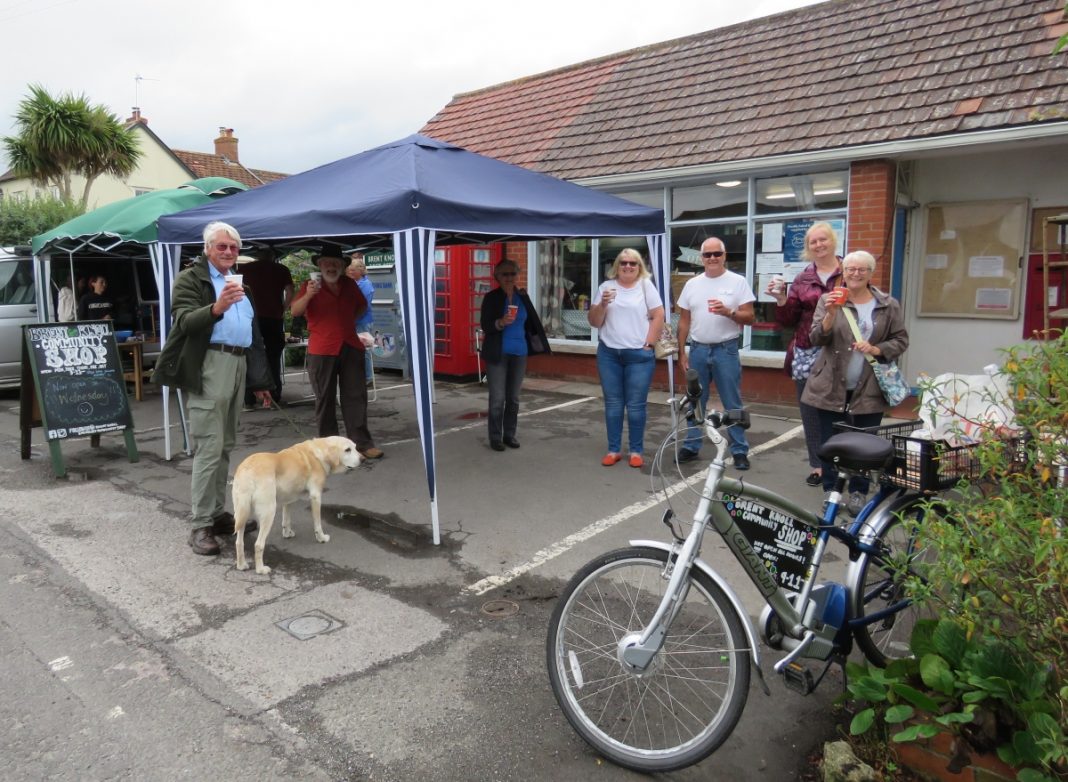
(504, 378)
(274, 343)
(828, 418)
(326, 374)
(810, 421)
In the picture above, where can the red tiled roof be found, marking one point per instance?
(207, 164)
(837, 74)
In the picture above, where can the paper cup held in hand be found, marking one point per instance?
(315, 276)
(238, 278)
(513, 310)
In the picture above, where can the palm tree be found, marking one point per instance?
(66, 135)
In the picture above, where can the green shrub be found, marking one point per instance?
(993, 670)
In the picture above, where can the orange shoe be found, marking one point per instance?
(636, 460)
(610, 459)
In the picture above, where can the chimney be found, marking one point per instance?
(226, 144)
(135, 116)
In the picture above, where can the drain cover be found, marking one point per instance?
(309, 625)
(500, 609)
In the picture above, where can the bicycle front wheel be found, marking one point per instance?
(881, 591)
(688, 699)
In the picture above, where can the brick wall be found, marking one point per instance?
(871, 213)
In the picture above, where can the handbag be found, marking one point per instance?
(804, 358)
(666, 344)
(888, 376)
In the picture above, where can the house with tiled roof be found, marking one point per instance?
(160, 167)
(932, 133)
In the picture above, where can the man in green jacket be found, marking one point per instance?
(212, 348)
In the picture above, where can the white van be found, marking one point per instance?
(18, 307)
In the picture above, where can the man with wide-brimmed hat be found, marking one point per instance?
(331, 305)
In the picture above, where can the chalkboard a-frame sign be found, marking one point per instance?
(73, 386)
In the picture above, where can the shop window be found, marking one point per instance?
(802, 193)
(728, 198)
(568, 273)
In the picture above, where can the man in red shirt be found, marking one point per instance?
(335, 354)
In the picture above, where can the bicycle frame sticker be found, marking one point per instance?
(785, 544)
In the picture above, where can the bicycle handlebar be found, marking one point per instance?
(738, 418)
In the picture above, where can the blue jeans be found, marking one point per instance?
(625, 378)
(720, 364)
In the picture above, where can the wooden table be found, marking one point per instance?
(137, 373)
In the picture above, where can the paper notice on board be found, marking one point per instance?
(993, 299)
(936, 261)
(986, 266)
(771, 238)
(769, 263)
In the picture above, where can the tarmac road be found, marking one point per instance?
(130, 658)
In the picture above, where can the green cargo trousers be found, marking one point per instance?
(213, 416)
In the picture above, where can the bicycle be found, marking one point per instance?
(649, 649)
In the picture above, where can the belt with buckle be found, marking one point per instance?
(232, 349)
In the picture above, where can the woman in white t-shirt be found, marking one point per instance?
(629, 315)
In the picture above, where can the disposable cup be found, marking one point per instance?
(238, 278)
(315, 277)
(712, 304)
(513, 309)
(778, 283)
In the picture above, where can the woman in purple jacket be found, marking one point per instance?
(795, 309)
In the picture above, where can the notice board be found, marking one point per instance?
(72, 371)
(972, 259)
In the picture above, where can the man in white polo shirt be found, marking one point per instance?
(713, 307)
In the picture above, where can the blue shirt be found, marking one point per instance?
(235, 327)
(514, 338)
(364, 322)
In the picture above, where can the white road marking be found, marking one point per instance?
(551, 552)
(60, 663)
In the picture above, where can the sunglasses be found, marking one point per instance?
(507, 274)
(628, 263)
(714, 254)
(227, 247)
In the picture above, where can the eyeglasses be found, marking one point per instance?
(507, 274)
(226, 247)
(856, 270)
(714, 254)
(628, 263)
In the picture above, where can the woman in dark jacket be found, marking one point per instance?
(795, 309)
(512, 331)
(842, 385)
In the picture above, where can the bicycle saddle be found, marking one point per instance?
(857, 451)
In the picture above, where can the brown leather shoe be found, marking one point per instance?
(223, 524)
(371, 453)
(203, 542)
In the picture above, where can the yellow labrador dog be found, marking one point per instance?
(264, 481)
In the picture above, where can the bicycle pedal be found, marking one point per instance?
(798, 678)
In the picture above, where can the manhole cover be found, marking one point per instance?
(500, 609)
(309, 625)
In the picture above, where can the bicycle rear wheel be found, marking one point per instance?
(687, 701)
(881, 589)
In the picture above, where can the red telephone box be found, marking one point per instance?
(462, 276)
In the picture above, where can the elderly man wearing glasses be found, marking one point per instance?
(214, 345)
(713, 307)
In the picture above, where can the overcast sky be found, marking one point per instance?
(305, 82)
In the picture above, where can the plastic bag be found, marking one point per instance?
(966, 408)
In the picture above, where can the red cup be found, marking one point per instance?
(513, 309)
(838, 296)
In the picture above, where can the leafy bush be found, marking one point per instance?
(993, 670)
(20, 221)
(977, 688)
